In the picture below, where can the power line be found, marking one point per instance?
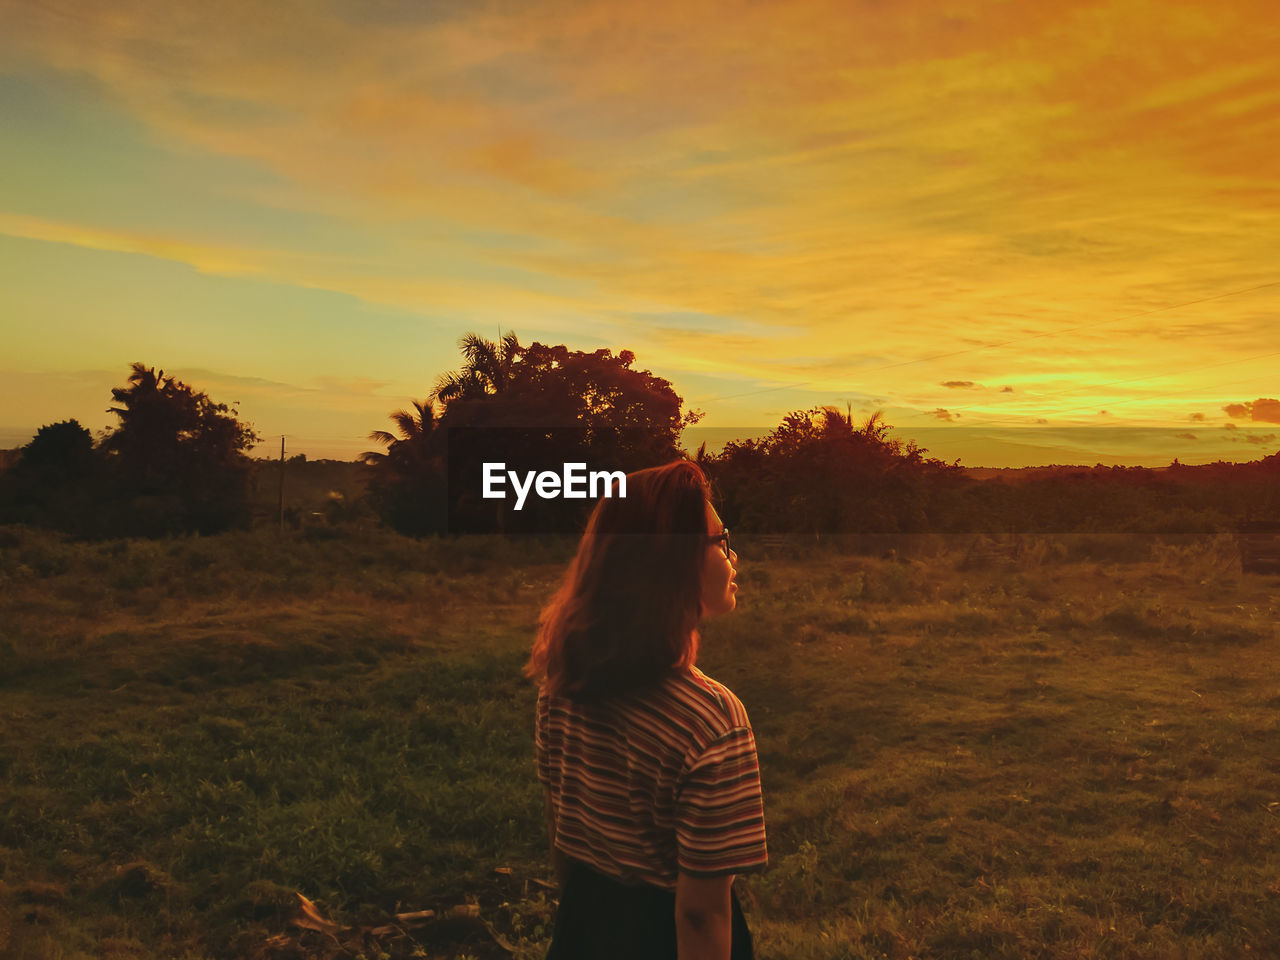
(310, 437)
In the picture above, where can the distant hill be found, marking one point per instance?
(1023, 474)
(1204, 471)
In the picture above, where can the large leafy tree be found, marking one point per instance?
(625, 415)
(556, 406)
(52, 482)
(62, 450)
(531, 407)
(177, 459)
(818, 471)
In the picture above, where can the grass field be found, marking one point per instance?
(1057, 748)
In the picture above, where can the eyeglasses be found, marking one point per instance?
(722, 538)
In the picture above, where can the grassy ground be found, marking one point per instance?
(1058, 748)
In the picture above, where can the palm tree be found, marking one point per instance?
(143, 380)
(837, 424)
(490, 369)
(875, 428)
(416, 445)
(142, 425)
(407, 486)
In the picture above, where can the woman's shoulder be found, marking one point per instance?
(707, 700)
(687, 700)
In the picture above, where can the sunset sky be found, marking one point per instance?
(1030, 232)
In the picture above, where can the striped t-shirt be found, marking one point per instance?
(655, 783)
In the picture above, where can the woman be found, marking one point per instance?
(653, 787)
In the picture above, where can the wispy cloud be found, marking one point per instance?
(227, 260)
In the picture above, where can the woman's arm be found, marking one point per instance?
(558, 859)
(703, 920)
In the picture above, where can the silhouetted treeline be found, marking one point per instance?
(175, 464)
(818, 473)
(1177, 499)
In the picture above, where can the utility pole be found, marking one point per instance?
(282, 483)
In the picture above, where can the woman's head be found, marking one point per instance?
(647, 568)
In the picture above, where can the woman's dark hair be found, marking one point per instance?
(627, 612)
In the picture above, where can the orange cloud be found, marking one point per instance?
(891, 181)
(1264, 410)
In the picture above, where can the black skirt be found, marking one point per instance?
(602, 919)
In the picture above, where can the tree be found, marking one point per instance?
(177, 459)
(64, 448)
(52, 482)
(407, 485)
(817, 472)
(489, 369)
(532, 407)
(554, 406)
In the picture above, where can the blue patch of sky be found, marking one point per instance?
(72, 154)
(119, 307)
